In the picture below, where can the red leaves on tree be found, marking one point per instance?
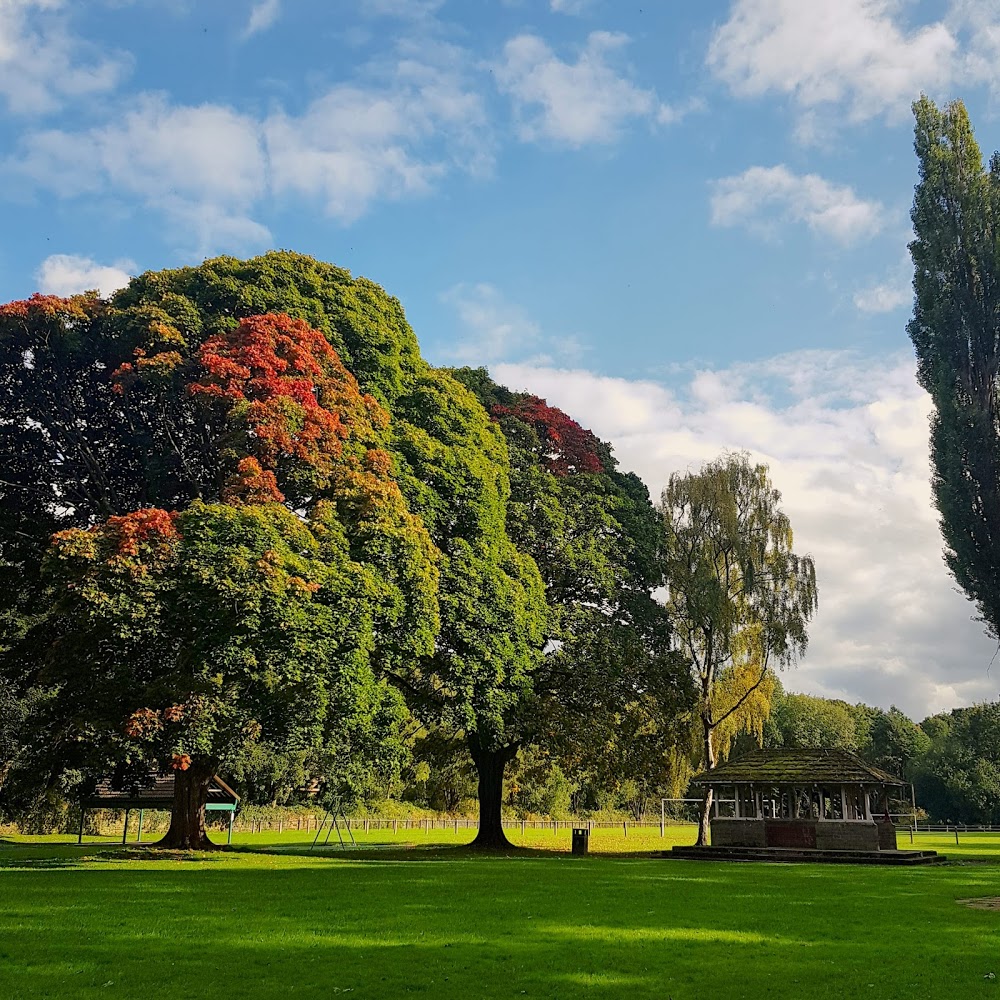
(252, 484)
(137, 543)
(75, 307)
(378, 462)
(151, 529)
(142, 722)
(149, 722)
(290, 388)
(566, 446)
(180, 762)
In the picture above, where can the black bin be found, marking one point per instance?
(581, 840)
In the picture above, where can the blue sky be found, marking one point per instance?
(685, 223)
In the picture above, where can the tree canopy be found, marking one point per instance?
(609, 683)
(958, 772)
(266, 382)
(955, 332)
(282, 575)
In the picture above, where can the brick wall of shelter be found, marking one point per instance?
(842, 836)
(728, 832)
(886, 837)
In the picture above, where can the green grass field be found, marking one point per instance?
(421, 917)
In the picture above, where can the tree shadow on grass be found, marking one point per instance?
(42, 856)
(432, 852)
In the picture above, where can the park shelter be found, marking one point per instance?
(156, 792)
(826, 800)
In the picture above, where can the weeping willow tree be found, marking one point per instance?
(740, 598)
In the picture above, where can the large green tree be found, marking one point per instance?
(259, 448)
(740, 597)
(955, 331)
(803, 720)
(449, 460)
(609, 691)
(107, 415)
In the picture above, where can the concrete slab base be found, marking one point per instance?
(807, 855)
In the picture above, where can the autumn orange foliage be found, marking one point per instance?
(302, 401)
(75, 307)
(149, 527)
(142, 722)
(252, 484)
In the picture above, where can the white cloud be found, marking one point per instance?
(358, 144)
(761, 198)
(43, 66)
(846, 442)
(857, 59)
(68, 274)
(263, 15)
(572, 104)
(203, 164)
(210, 169)
(884, 297)
(495, 330)
(569, 6)
(894, 291)
(670, 114)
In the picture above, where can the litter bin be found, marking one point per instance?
(581, 840)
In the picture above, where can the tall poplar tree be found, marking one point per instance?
(955, 331)
(739, 596)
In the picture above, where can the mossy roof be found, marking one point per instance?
(156, 791)
(797, 767)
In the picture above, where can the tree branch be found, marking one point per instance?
(743, 698)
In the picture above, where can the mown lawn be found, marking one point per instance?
(269, 920)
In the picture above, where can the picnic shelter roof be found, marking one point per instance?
(155, 792)
(786, 766)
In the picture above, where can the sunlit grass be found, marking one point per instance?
(272, 919)
(603, 840)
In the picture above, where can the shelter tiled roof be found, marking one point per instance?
(156, 792)
(796, 767)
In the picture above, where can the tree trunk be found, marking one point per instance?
(187, 815)
(490, 766)
(708, 731)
